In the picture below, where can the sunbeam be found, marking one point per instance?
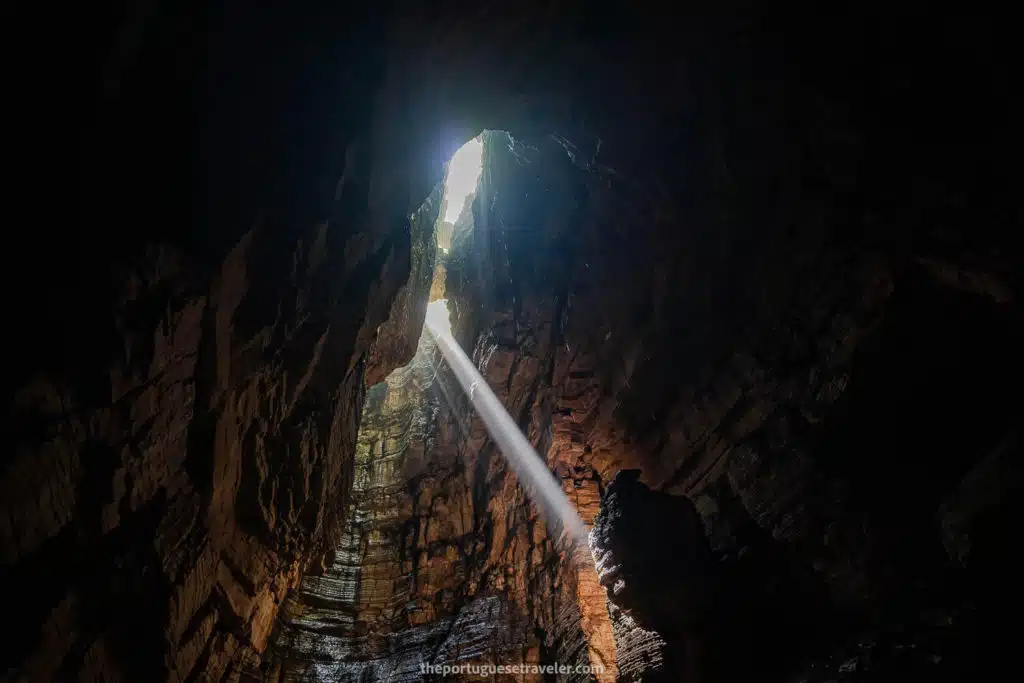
(527, 464)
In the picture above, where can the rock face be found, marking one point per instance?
(365, 614)
(184, 507)
(731, 517)
(659, 633)
(444, 559)
(181, 429)
(755, 514)
(757, 268)
(405, 320)
(411, 581)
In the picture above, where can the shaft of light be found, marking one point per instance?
(527, 464)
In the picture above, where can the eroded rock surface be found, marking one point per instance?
(643, 538)
(168, 479)
(789, 539)
(445, 560)
(185, 504)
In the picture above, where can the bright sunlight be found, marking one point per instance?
(530, 468)
(462, 178)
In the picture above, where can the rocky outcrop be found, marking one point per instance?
(643, 538)
(398, 336)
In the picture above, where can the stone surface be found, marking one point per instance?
(397, 337)
(444, 560)
(660, 634)
(762, 266)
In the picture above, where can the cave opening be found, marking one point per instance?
(461, 181)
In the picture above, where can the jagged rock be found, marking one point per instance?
(397, 338)
(642, 538)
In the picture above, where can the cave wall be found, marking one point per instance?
(165, 508)
(445, 559)
(415, 578)
(794, 393)
(763, 206)
(181, 429)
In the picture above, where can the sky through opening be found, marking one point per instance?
(463, 175)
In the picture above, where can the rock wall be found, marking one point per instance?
(407, 583)
(198, 488)
(833, 353)
(181, 428)
(841, 353)
(663, 634)
(444, 559)
(764, 267)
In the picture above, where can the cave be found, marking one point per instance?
(738, 281)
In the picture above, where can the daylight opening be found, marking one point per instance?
(462, 177)
(460, 184)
